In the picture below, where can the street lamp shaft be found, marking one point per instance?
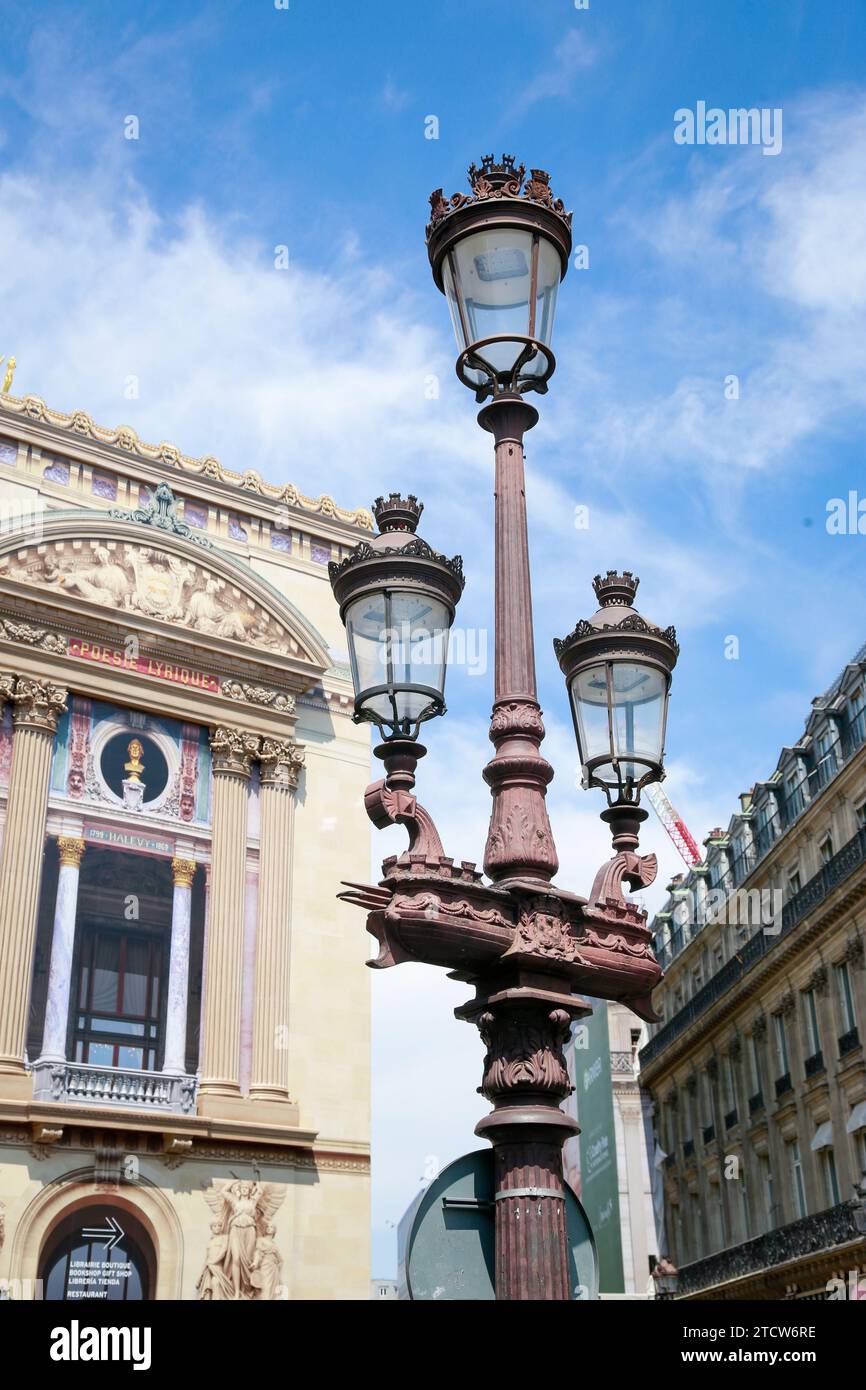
(519, 841)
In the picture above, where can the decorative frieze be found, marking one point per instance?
(245, 693)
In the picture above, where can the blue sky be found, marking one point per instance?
(305, 127)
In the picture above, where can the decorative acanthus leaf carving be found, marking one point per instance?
(524, 1052)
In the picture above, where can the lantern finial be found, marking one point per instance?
(616, 589)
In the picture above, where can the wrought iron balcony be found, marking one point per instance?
(79, 1083)
(807, 1237)
(849, 1042)
(841, 867)
(815, 1064)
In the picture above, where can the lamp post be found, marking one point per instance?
(526, 946)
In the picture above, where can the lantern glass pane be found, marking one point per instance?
(633, 731)
(366, 625)
(589, 699)
(397, 639)
(488, 282)
(639, 706)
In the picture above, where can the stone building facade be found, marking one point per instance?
(184, 1009)
(756, 1073)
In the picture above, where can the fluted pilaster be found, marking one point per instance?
(281, 762)
(233, 751)
(37, 705)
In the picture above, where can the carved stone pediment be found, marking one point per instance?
(144, 574)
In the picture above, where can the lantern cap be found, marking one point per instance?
(396, 557)
(499, 180)
(617, 628)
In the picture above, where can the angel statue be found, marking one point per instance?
(242, 1261)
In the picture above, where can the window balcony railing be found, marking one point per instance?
(730, 1119)
(80, 1083)
(756, 1103)
(709, 1133)
(803, 1238)
(814, 1064)
(622, 1064)
(783, 1085)
(835, 872)
(849, 1042)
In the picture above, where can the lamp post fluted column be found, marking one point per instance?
(519, 840)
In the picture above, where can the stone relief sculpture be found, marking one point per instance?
(242, 1260)
(144, 579)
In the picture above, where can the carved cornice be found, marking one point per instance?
(233, 751)
(281, 762)
(33, 408)
(38, 704)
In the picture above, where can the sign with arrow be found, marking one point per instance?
(112, 1233)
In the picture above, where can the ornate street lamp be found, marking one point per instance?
(617, 667)
(498, 255)
(526, 946)
(397, 598)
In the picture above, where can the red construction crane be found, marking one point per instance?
(674, 825)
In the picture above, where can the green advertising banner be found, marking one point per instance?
(593, 1105)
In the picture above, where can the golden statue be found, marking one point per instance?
(135, 765)
(10, 372)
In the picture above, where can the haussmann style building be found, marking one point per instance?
(757, 1075)
(184, 1020)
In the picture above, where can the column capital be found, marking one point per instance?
(183, 872)
(70, 848)
(38, 704)
(281, 762)
(233, 750)
(7, 686)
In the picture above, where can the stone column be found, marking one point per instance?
(70, 849)
(233, 752)
(281, 763)
(37, 705)
(174, 1060)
